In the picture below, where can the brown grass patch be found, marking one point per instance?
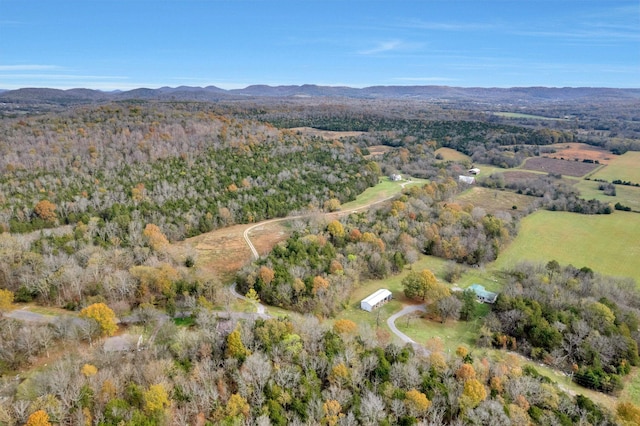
(513, 176)
(449, 154)
(556, 166)
(223, 252)
(581, 151)
(377, 150)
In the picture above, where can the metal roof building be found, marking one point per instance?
(378, 298)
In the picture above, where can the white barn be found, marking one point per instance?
(469, 180)
(378, 298)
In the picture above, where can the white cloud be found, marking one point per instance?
(382, 47)
(28, 67)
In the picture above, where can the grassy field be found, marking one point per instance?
(386, 188)
(626, 195)
(449, 154)
(623, 167)
(493, 200)
(605, 243)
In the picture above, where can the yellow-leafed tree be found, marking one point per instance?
(103, 315)
(6, 299)
(156, 399)
(38, 418)
(416, 402)
(235, 347)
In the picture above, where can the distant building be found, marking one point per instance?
(474, 171)
(483, 295)
(395, 177)
(470, 180)
(377, 299)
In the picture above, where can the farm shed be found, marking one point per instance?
(378, 298)
(483, 295)
(467, 179)
(395, 177)
(474, 171)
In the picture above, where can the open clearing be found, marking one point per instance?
(449, 154)
(581, 151)
(625, 167)
(223, 252)
(608, 244)
(626, 195)
(494, 200)
(561, 167)
(377, 151)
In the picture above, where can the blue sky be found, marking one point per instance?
(125, 44)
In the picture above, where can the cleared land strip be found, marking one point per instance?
(255, 253)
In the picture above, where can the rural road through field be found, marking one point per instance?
(255, 253)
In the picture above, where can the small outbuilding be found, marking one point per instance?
(469, 180)
(395, 177)
(483, 295)
(375, 300)
(474, 171)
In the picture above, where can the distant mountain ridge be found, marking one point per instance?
(520, 95)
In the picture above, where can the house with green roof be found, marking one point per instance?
(483, 295)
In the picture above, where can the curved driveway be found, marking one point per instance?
(391, 322)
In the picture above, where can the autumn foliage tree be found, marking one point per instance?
(154, 236)
(45, 210)
(424, 285)
(235, 347)
(38, 418)
(6, 299)
(103, 315)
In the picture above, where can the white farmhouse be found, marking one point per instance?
(375, 300)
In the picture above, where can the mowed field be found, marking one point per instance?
(626, 195)
(608, 244)
(557, 166)
(625, 167)
(449, 154)
(493, 200)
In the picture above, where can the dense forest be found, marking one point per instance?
(181, 167)
(572, 318)
(280, 371)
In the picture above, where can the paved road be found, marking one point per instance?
(28, 316)
(260, 308)
(391, 322)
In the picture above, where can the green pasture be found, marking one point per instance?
(384, 189)
(452, 333)
(631, 390)
(625, 167)
(488, 169)
(450, 154)
(608, 244)
(626, 195)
